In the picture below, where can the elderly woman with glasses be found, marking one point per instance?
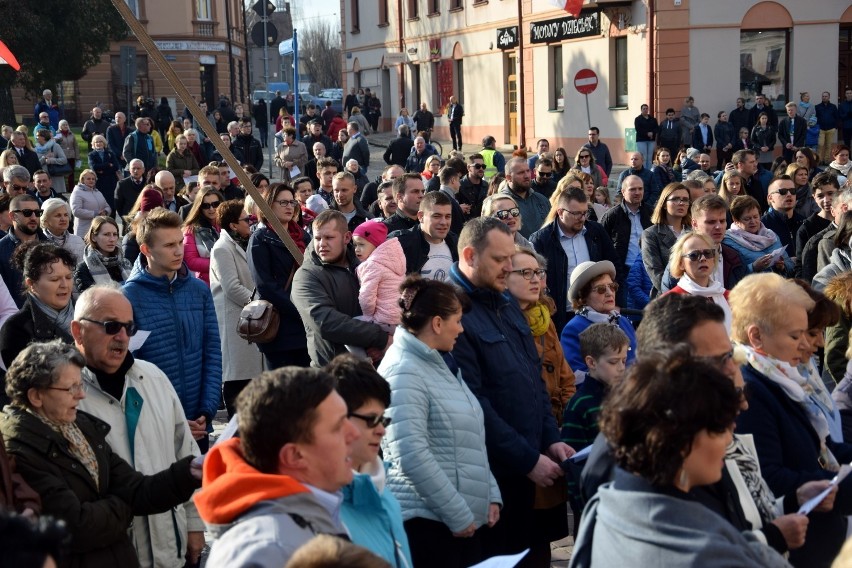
(63, 454)
(592, 291)
(670, 220)
(48, 310)
(505, 208)
(693, 261)
(757, 246)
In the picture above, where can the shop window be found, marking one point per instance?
(771, 47)
(557, 74)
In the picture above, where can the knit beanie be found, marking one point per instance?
(151, 199)
(374, 232)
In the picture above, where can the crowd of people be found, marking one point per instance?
(464, 352)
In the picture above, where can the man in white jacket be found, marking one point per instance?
(149, 429)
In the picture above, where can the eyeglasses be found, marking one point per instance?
(697, 255)
(545, 174)
(783, 191)
(584, 156)
(73, 390)
(246, 219)
(528, 273)
(719, 361)
(602, 288)
(211, 205)
(373, 420)
(286, 202)
(576, 214)
(28, 212)
(678, 200)
(478, 166)
(114, 327)
(504, 214)
(19, 187)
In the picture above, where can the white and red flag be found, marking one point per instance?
(573, 7)
(6, 57)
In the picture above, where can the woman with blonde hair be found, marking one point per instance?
(356, 116)
(52, 159)
(149, 199)
(87, 202)
(585, 162)
(68, 141)
(431, 168)
(806, 205)
(693, 261)
(505, 208)
(175, 129)
(8, 158)
(790, 431)
(181, 162)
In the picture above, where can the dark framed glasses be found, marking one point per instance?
(528, 273)
(783, 191)
(211, 205)
(504, 214)
(545, 174)
(28, 212)
(286, 202)
(114, 327)
(478, 166)
(373, 420)
(697, 255)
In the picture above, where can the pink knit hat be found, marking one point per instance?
(374, 232)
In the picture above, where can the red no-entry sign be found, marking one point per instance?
(585, 81)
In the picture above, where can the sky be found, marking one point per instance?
(306, 10)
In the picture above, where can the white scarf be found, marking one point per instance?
(800, 391)
(715, 291)
(595, 316)
(764, 238)
(844, 169)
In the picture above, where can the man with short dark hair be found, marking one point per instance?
(116, 134)
(248, 147)
(542, 148)
(647, 130)
(781, 218)
(399, 148)
(326, 170)
(570, 239)
(345, 201)
(26, 213)
(669, 135)
(167, 300)
(825, 190)
(791, 132)
(827, 117)
(42, 190)
(473, 185)
(543, 182)
(739, 117)
(725, 135)
(745, 163)
(499, 362)
(424, 120)
(408, 191)
(450, 186)
(599, 150)
(310, 171)
(494, 161)
(534, 206)
(278, 482)
(702, 134)
(325, 292)
(430, 247)
(128, 189)
(315, 135)
(761, 104)
(97, 124)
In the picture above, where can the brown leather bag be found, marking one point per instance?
(259, 321)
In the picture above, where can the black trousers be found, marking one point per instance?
(230, 390)
(288, 358)
(432, 544)
(513, 533)
(455, 134)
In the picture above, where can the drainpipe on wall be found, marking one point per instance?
(401, 50)
(652, 58)
(522, 134)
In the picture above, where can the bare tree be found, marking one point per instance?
(319, 51)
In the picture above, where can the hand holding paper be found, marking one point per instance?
(823, 500)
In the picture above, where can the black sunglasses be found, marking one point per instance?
(212, 205)
(697, 255)
(114, 327)
(544, 174)
(478, 166)
(28, 212)
(783, 191)
(373, 420)
(505, 213)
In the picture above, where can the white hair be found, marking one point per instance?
(51, 205)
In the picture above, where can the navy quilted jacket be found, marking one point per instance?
(184, 340)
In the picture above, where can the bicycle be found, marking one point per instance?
(437, 147)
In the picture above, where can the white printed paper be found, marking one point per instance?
(138, 340)
(812, 503)
(581, 455)
(294, 172)
(508, 561)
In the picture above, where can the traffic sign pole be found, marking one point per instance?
(586, 81)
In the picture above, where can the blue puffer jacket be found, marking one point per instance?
(500, 364)
(436, 442)
(184, 340)
(373, 517)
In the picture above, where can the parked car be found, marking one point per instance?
(333, 95)
(265, 95)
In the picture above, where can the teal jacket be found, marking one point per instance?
(374, 519)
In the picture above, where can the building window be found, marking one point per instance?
(557, 73)
(415, 87)
(134, 6)
(413, 9)
(383, 12)
(768, 46)
(456, 4)
(203, 10)
(434, 7)
(458, 76)
(356, 16)
(620, 74)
